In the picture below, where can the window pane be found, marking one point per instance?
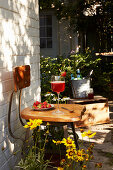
(42, 32)
(49, 32)
(42, 21)
(42, 42)
(49, 42)
(48, 20)
(45, 31)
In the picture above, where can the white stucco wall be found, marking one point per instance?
(19, 45)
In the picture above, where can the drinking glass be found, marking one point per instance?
(58, 85)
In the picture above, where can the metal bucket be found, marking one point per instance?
(80, 88)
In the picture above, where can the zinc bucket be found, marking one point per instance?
(80, 88)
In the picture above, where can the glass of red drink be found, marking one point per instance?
(58, 85)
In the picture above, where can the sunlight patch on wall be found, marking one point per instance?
(37, 97)
(1, 92)
(24, 2)
(27, 60)
(11, 145)
(8, 36)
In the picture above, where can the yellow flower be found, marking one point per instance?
(92, 146)
(91, 157)
(84, 167)
(48, 123)
(57, 142)
(68, 142)
(79, 156)
(87, 157)
(89, 134)
(47, 132)
(60, 168)
(90, 151)
(71, 153)
(32, 124)
(62, 161)
(98, 165)
(81, 130)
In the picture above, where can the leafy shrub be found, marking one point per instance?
(86, 62)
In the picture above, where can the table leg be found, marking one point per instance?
(75, 135)
(65, 131)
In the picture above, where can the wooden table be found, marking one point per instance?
(48, 116)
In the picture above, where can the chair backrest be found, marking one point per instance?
(21, 77)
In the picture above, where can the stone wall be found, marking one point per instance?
(19, 45)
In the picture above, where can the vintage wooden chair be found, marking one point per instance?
(21, 76)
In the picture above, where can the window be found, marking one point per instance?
(45, 31)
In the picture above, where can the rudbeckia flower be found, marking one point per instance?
(68, 142)
(80, 156)
(32, 124)
(71, 152)
(60, 168)
(89, 134)
(57, 142)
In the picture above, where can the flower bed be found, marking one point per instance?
(38, 158)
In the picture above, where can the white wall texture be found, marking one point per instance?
(19, 45)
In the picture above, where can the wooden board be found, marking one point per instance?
(96, 113)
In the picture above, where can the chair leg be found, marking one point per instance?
(75, 135)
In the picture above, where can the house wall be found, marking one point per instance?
(19, 45)
(63, 40)
(55, 47)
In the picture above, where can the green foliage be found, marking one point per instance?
(34, 159)
(85, 62)
(41, 151)
(32, 162)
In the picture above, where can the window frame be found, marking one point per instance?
(46, 28)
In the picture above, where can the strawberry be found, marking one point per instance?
(45, 103)
(45, 106)
(63, 74)
(37, 102)
(34, 104)
(48, 106)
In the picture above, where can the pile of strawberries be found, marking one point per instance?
(39, 105)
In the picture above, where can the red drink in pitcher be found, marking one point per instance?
(58, 86)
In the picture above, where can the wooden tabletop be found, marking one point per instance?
(48, 115)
